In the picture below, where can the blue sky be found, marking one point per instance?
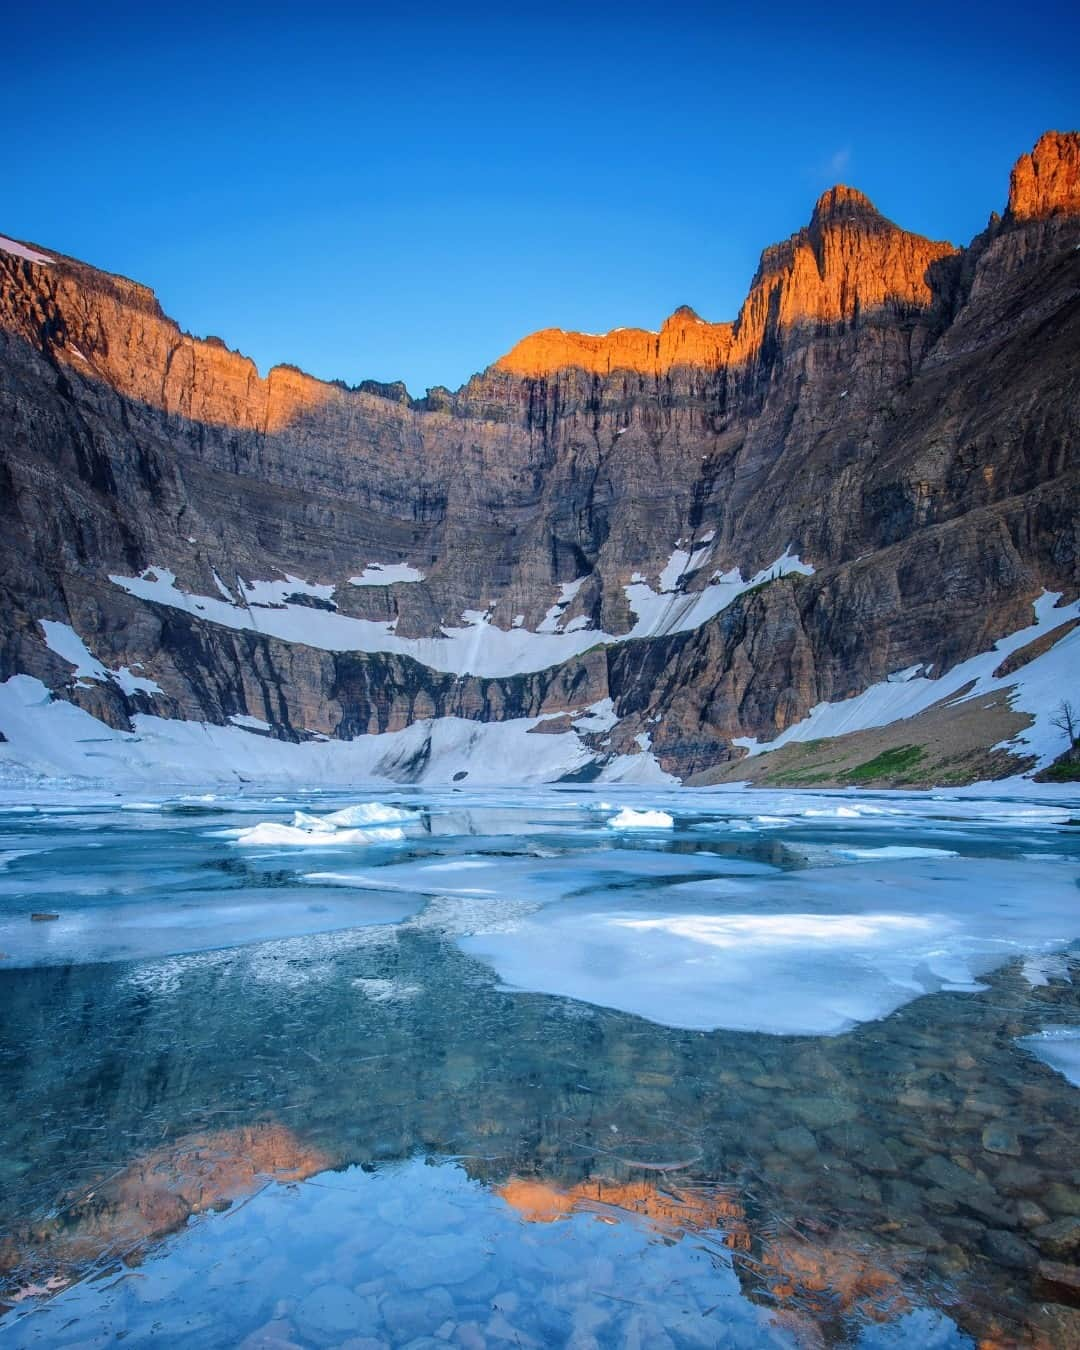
(404, 191)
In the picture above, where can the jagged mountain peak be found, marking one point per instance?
(842, 203)
(1046, 182)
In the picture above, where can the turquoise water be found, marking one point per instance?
(445, 1089)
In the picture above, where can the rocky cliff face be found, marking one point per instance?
(898, 415)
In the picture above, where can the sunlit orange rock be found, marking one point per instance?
(1047, 181)
(848, 260)
(683, 340)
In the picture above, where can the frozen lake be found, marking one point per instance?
(538, 1067)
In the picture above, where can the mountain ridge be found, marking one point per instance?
(900, 416)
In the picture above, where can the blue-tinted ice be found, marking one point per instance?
(757, 1069)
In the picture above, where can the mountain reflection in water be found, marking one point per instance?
(360, 1138)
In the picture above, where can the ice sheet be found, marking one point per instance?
(1059, 1047)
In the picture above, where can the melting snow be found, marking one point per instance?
(62, 639)
(278, 592)
(49, 737)
(1036, 688)
(477, 648)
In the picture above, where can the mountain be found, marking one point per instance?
(628, 555)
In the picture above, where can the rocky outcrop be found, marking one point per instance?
(900, 414)
(1047, 181)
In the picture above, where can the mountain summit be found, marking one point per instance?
(632, 553)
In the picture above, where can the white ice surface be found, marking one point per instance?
(629, 819)
(809, 952)
(1036, 688)
(1059, 1047)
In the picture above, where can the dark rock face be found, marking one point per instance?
(900, 414)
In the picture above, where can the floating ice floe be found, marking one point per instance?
(894, 852)
(381, 822)
(808, 952)
(629, 819)
(301, 836)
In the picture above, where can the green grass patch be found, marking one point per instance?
(1061, 772)
(889, 764)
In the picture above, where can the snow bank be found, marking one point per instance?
(49, 738)
(629, 819)
(1036, 688)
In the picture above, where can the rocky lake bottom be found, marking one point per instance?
(540, 1068)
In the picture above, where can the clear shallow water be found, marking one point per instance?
(508, 1078)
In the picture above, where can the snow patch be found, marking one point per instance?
(597, 717)
(567, 593)
(62, 639)
(386, 574)
(1035, 688)
(21, 251)
(478, 647)
(277, 592)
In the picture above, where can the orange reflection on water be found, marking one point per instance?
(673, 1208)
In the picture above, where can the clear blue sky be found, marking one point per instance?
(404, 190)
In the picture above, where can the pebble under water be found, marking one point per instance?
(478, 1069)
